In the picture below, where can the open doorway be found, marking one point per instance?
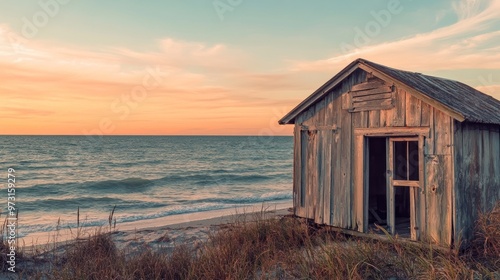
(392, 183)
(377, 183)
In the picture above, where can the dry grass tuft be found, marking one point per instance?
(95, 257)
(249, 249)
(487, 233)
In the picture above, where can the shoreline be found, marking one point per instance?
(178, 228)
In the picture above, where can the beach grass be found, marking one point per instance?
(263, 246)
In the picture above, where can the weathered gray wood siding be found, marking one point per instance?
(477, 174)
(324, 158)
(438, 179)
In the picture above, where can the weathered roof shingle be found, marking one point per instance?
(472, 104)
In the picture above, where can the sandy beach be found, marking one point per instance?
(160, 234)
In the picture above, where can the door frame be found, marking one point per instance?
(360, 173)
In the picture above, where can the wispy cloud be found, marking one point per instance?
(82, 85)
(466, 8)
(469, 43)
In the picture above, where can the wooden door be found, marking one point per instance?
(405, 165)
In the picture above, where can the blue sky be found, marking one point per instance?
(236, 64)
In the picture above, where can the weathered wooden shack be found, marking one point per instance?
(415, 153)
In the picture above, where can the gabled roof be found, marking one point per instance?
(459, 100)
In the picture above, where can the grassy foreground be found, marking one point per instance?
(284, 248)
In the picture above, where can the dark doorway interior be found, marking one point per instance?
(402, 210)
(377, 190)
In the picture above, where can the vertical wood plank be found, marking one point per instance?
(432, 227)
(327, 163)
(425, 116)
(344, 196)
(429, 141)
(374, 119)
(356, 119)
(319, 202)
(413, 110)
(442, 132)
(400, 108)
(366, 183)
(390, 188)
(420, 193)
(485, 177)
(337, 196)
(387, 117)
(446, 209)
(304, 174)
(358, 180)
(364, 119)
(438, 198)
(494, 167)
(466, 205)
(327, 159)
(413, 212)
(311, 174)
(459, 195)
(296, 169)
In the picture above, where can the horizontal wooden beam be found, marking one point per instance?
(367, 86)
(361, 98)
(379, 104)
(393, 131)
(403, 183)
(318, 127)
(373, 91)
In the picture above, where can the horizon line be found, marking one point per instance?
(153, 135)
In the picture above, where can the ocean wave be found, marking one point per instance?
(256, 198)
(84, 203)
(219, 178)
(137, 185)
(121, 186)
(129, 185)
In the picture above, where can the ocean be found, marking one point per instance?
(145, 177)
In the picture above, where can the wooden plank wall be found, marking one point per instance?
(477, 174)
(330, 153)
(439, 179)
(328, 159)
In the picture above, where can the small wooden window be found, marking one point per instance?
(406, 163)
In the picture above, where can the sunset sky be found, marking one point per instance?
(223, 67)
